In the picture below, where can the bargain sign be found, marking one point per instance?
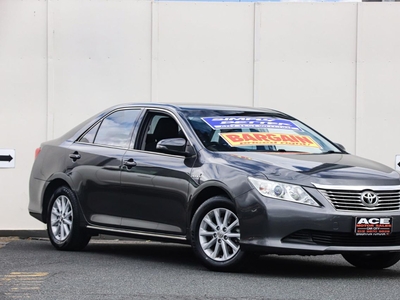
(237, 139)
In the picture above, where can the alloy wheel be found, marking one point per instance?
(219, 234)
(61, 218)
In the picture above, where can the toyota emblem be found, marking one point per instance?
(369, 198)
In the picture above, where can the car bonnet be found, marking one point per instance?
(325, 169)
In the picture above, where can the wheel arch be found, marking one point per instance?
(54, 184)
(205, 194)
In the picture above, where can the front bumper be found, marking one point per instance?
(281, 227)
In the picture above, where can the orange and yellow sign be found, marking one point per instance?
(237, 139)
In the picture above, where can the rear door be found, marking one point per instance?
(95, 162)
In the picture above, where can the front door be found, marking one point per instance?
(154, 185)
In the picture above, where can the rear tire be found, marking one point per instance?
(63, 224)
(215, 233)
(375, 260)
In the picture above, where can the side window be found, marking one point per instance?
(115, 130)
(160, 127)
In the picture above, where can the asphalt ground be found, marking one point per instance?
(114, 269)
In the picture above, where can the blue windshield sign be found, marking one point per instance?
(249, 122)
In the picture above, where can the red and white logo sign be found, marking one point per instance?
(373, 226)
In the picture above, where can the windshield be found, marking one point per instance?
(250, 131)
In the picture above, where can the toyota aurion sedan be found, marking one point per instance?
(230, 181)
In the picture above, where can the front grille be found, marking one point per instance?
(313, 237)
(351, 199)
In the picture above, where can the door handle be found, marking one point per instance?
(130, 163)
(75, 156)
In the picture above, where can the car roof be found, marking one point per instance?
(190, 106)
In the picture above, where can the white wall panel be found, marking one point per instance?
(306, 64)
(378, 105)
(205, 52)
(101, 56)
(333, 65)
(23, 103)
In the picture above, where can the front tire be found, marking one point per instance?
(377, 260)
(63, 224)
(215, 233)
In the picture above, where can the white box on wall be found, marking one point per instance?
(397, 163)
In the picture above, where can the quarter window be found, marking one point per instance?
(90, 135)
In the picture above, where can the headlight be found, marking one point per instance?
(282, 191)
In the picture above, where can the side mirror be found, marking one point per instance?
(175, 146)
